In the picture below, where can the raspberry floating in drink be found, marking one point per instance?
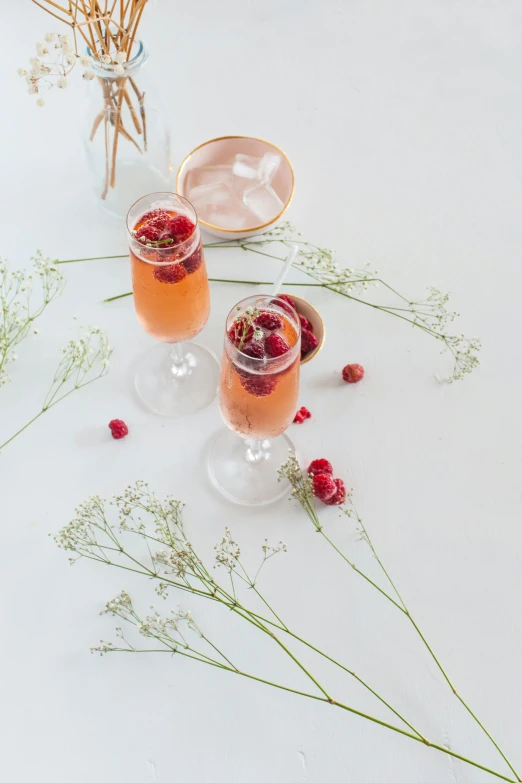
(259, 364)
(171, 292)
(258, 395)
(172, 303)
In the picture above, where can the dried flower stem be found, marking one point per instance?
(110, 35)
(302, 491)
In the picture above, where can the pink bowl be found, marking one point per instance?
(221, 151)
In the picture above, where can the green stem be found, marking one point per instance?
(459, 697)
(341, 706)
(23, 428)
(93, 258)
(404, 610)
(361, 573)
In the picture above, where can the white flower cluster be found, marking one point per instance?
(270, 550)
(117, 61)
(23, 298)
(227, 552)
(84, 359)
(431, 315)
(55, 59)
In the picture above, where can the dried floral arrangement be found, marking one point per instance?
(138, 532)
(108, 29)
(23, 298)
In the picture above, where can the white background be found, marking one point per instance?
(403, 122)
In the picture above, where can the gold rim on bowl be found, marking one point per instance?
(313, 353)
(239, 230)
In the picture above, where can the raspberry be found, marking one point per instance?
(276, 345)
(339, 497)
(241, 331)
(255, 349)
(258, 385)
(353, 373)
(170, 273)
(305, 323)
(194, 261)
(308, 342)
(268, 320)
(288, 300)
(148, 233)
(179, 228)
(302, 414)
(320, 466)
(155, 217)
(323, 486)
(118, 429)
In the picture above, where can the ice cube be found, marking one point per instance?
(245, 166)
(212, 194)
(208, 175)
(263, 202)
(233, 216)
(268, 166)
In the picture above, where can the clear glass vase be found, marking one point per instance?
(126, 134)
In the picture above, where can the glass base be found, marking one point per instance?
(176, 380)
(245, 470)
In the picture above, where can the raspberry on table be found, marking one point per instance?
(320, 466)
(241, 331)
(269, 320)
(170, 273)
(323, 486)
(254, 349)
(301, 415)
(308, 342)
(118, 429)
(276, 345)
(339, 496)
(258, 385)
(353, 373)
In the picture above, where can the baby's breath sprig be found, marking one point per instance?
(430, 314)
(106, 533)
(23, 299)
(54, 61)
(302, 492)
(84, 360)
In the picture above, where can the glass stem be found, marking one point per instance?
(176, 354)
(179, 367)
(256, 450)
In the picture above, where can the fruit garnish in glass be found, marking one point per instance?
(172, 302)
(258, 395)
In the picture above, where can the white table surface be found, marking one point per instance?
(403, 123)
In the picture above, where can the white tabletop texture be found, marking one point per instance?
(403, 122)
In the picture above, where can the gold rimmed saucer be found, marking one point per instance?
(222, 150)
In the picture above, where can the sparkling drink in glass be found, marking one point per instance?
(258, 395)
(172, 302)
